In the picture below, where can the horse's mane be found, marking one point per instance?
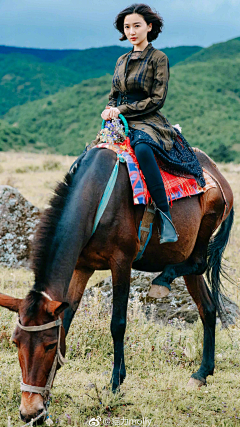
(46, 231)
(31, 303)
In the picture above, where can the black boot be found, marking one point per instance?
(168, 231)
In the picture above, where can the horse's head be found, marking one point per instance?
(40, 340)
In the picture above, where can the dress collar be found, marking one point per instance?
(144, 52)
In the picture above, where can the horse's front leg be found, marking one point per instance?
(121, 272)
(202, 297)
(76, 289)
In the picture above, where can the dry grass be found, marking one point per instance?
(159, 359)
(28, 173)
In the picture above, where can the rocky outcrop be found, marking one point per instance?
(18, 219)
(177, 305)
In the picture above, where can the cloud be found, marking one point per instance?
(81, 24)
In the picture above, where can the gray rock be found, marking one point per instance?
(177, 305)
(18, 220)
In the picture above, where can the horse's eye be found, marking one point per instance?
(14, 343)
(50, 346)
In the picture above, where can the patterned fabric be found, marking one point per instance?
(175, 187)
(139, 187)
(180, 160)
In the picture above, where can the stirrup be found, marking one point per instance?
(168, 230)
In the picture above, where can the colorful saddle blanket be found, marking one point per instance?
(176, 187)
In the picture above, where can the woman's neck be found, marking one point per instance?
(141, 46)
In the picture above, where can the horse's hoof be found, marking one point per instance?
(193, 383)
(157, 291)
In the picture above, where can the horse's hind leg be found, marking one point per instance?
(202, 297)
(196, 264)
(121, 272)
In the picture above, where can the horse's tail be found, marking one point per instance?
(215, 269)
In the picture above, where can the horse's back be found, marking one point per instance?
(223, 186)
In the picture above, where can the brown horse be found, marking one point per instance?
(65, 255)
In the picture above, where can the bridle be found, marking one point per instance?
(45, 391)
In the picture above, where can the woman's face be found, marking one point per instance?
(136, 28)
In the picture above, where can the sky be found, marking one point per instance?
(79, 24)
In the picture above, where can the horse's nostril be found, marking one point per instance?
(22, 417)
(28, 418)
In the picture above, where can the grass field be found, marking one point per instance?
(159, 359)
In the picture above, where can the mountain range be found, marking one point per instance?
(61, 97)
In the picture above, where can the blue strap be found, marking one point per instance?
(140, 253)
(108, 191)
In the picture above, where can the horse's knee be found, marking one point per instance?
(209, 313)
(200, 265)
(118, 327)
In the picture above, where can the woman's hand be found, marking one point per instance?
(109, 113)
(105, 114)
(114, 112)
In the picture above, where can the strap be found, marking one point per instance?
(49, 325)
(44, 391)
(147, 229)
(140, 254)
(33, 420)
(31, 388)
(108, 192)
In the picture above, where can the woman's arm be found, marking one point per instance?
(158, 93)
(113, 95)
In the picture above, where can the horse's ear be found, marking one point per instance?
(55, 307)
(11, 303)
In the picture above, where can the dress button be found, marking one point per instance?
(142, 128)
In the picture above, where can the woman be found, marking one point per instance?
(139, 90)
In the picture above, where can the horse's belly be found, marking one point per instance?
(186, 216)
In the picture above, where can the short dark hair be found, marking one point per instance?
(150, 16)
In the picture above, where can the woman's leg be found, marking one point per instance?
(153, 177)
(149, 167)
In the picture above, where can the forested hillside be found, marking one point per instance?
(204, 97)
(13, 138)
(227, 50)
(30, 74)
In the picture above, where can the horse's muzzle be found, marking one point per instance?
(28, 418)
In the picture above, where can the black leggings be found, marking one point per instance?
(149, 167)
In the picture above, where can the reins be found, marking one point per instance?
(44, 391)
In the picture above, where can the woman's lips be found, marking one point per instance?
(133, 38)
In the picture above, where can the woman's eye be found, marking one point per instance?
(50, 347)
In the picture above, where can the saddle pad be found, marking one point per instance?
(176, 187)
